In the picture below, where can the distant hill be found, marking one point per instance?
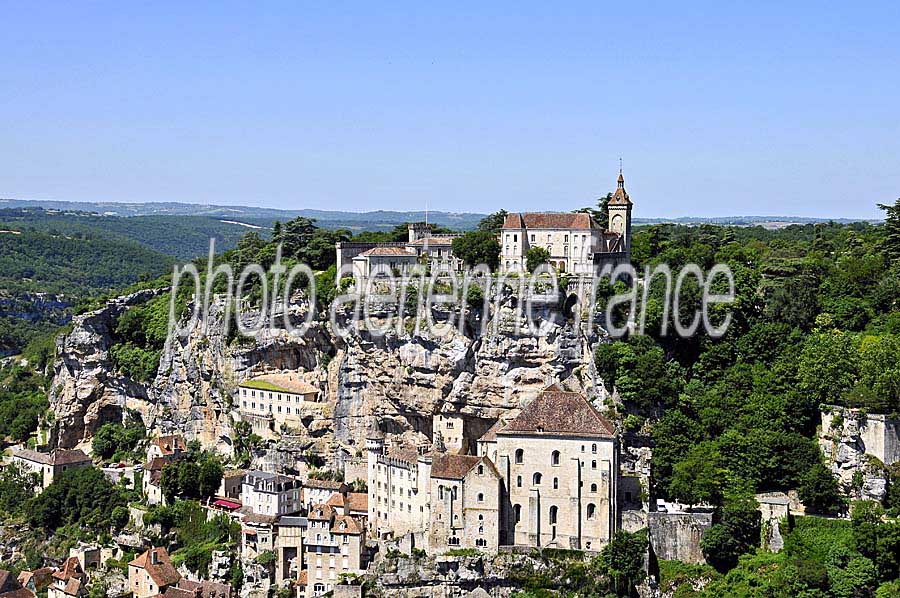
(355, 221)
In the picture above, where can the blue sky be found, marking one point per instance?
(717, 108)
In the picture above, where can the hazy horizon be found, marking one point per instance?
(716, 110)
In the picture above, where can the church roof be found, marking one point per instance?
(559, 412)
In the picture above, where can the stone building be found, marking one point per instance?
(272, 402)
(465, 503)
(151, 573)
(398, 484)
(422, 247)
(577, 244)
(559, 463)
(334, 546)
(451, 429)
(49, 465)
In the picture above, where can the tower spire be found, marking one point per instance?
(621, 184)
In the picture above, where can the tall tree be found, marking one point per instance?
(891, 243)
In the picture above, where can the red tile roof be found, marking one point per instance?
(163, 573)
(556, 411)
(320, 513)
(345, 524)
(71, 568)
(171, 444)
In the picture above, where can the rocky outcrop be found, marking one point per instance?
(86, 391)
(676, 536)
(858, 447)
(395, 381)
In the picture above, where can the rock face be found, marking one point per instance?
(395, 381)
(86, 392)
(676, 536)
(858, 447)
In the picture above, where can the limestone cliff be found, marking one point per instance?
(86, 391)
(395, 381)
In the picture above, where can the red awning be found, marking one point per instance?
(226, 504)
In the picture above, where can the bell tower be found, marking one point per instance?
(620, 214)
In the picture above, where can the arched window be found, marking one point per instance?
(520, 456)
(554, 458)
(556, 483)
(441, 492)
(481, 470)
(594, 448)
(517, 509)
(593, 487)
(453, 492)
(536, 479)
(481, 518)
(554, 511)
(480, 497)
(591, 510)
(518, 481)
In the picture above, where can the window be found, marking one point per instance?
(554, 511)
(517, 510)
(554, 458)
(481, 470)
(441, 492)
(556, 483)
(515, 238)
(593, 487)
(532, 238)
(536, 479)
(480, 497)
(453, 541)
(591, 510)
(520, 456)
(593, 465)
(594, 448)
(518, 481)
(480, 542)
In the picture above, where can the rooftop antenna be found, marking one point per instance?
(620, 164)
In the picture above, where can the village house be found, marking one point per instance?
(450, 428)
(270, 494)
(151, 481)
(37, 580)
(49, 465)
(316, 492)
(384, 260)
(334, 546)
(11, 588)
(465, 503)
(273, 402)
(166, 447)
(577, 244)
(356, 504)
(69, 581)
(151, 573)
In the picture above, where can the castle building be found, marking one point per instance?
(398, 484)
(577, 244)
